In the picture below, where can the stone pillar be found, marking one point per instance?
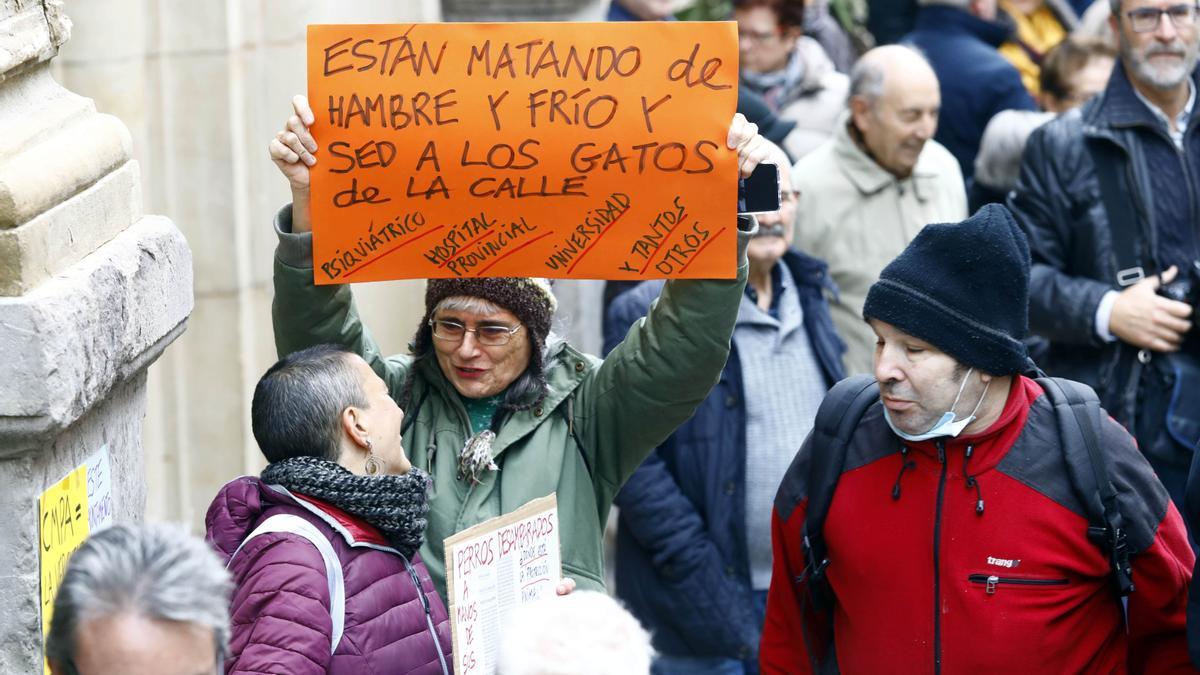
(91, 292)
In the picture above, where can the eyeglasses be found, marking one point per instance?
(1146, 19)
(489, 335)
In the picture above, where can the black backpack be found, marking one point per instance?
(1077, 410)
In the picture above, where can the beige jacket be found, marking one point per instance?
(858, 217)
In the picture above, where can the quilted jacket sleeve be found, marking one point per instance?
(280, 612)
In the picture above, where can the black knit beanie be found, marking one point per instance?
(964, 288)
(529, 299)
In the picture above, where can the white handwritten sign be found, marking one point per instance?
(493, 568)
(99, 491)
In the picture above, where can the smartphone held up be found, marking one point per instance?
(759, 192)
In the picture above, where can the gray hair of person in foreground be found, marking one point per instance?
(998, 164)
(583, 633)
(154, 571)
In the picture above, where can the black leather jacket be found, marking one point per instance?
(1058, 203)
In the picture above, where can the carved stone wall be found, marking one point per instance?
(91, 292)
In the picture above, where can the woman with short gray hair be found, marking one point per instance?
(140, 599)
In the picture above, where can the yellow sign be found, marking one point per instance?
(63, 526)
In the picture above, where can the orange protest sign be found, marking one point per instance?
(532, 149)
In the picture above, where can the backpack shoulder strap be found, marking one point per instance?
(1077, 409)
(293, 524)
(836, 421)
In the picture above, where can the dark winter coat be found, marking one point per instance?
(975, 80)
(1058, 203)
(280, 613)
(926, 583)
(682, 561)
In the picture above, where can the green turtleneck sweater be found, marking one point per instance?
(480, 411)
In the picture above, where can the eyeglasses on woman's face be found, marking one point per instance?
(489, 335)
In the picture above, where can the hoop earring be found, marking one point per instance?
(374, 465)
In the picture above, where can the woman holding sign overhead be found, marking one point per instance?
(499, 410)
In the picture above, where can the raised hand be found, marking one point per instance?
(752, 148)
(293, 149)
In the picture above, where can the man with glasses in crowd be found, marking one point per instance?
(1109, 195)
(694, 551)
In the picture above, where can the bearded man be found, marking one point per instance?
(1109, 196)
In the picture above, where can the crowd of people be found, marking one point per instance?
(942, 420)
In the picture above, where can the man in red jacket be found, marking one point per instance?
(956, 540)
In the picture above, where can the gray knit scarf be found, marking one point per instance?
(773, 86)
(395, 504)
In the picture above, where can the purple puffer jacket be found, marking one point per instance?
(281, 608)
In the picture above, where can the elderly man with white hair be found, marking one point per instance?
(867, 191)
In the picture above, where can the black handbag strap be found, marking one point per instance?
(1118, 206)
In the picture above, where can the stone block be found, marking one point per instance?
(34, 108)
(30, 33)
(60, 237)
(50, 172)
(163, 436)
(96, 324)
(19, 581)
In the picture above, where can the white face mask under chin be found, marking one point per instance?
(947, 425)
